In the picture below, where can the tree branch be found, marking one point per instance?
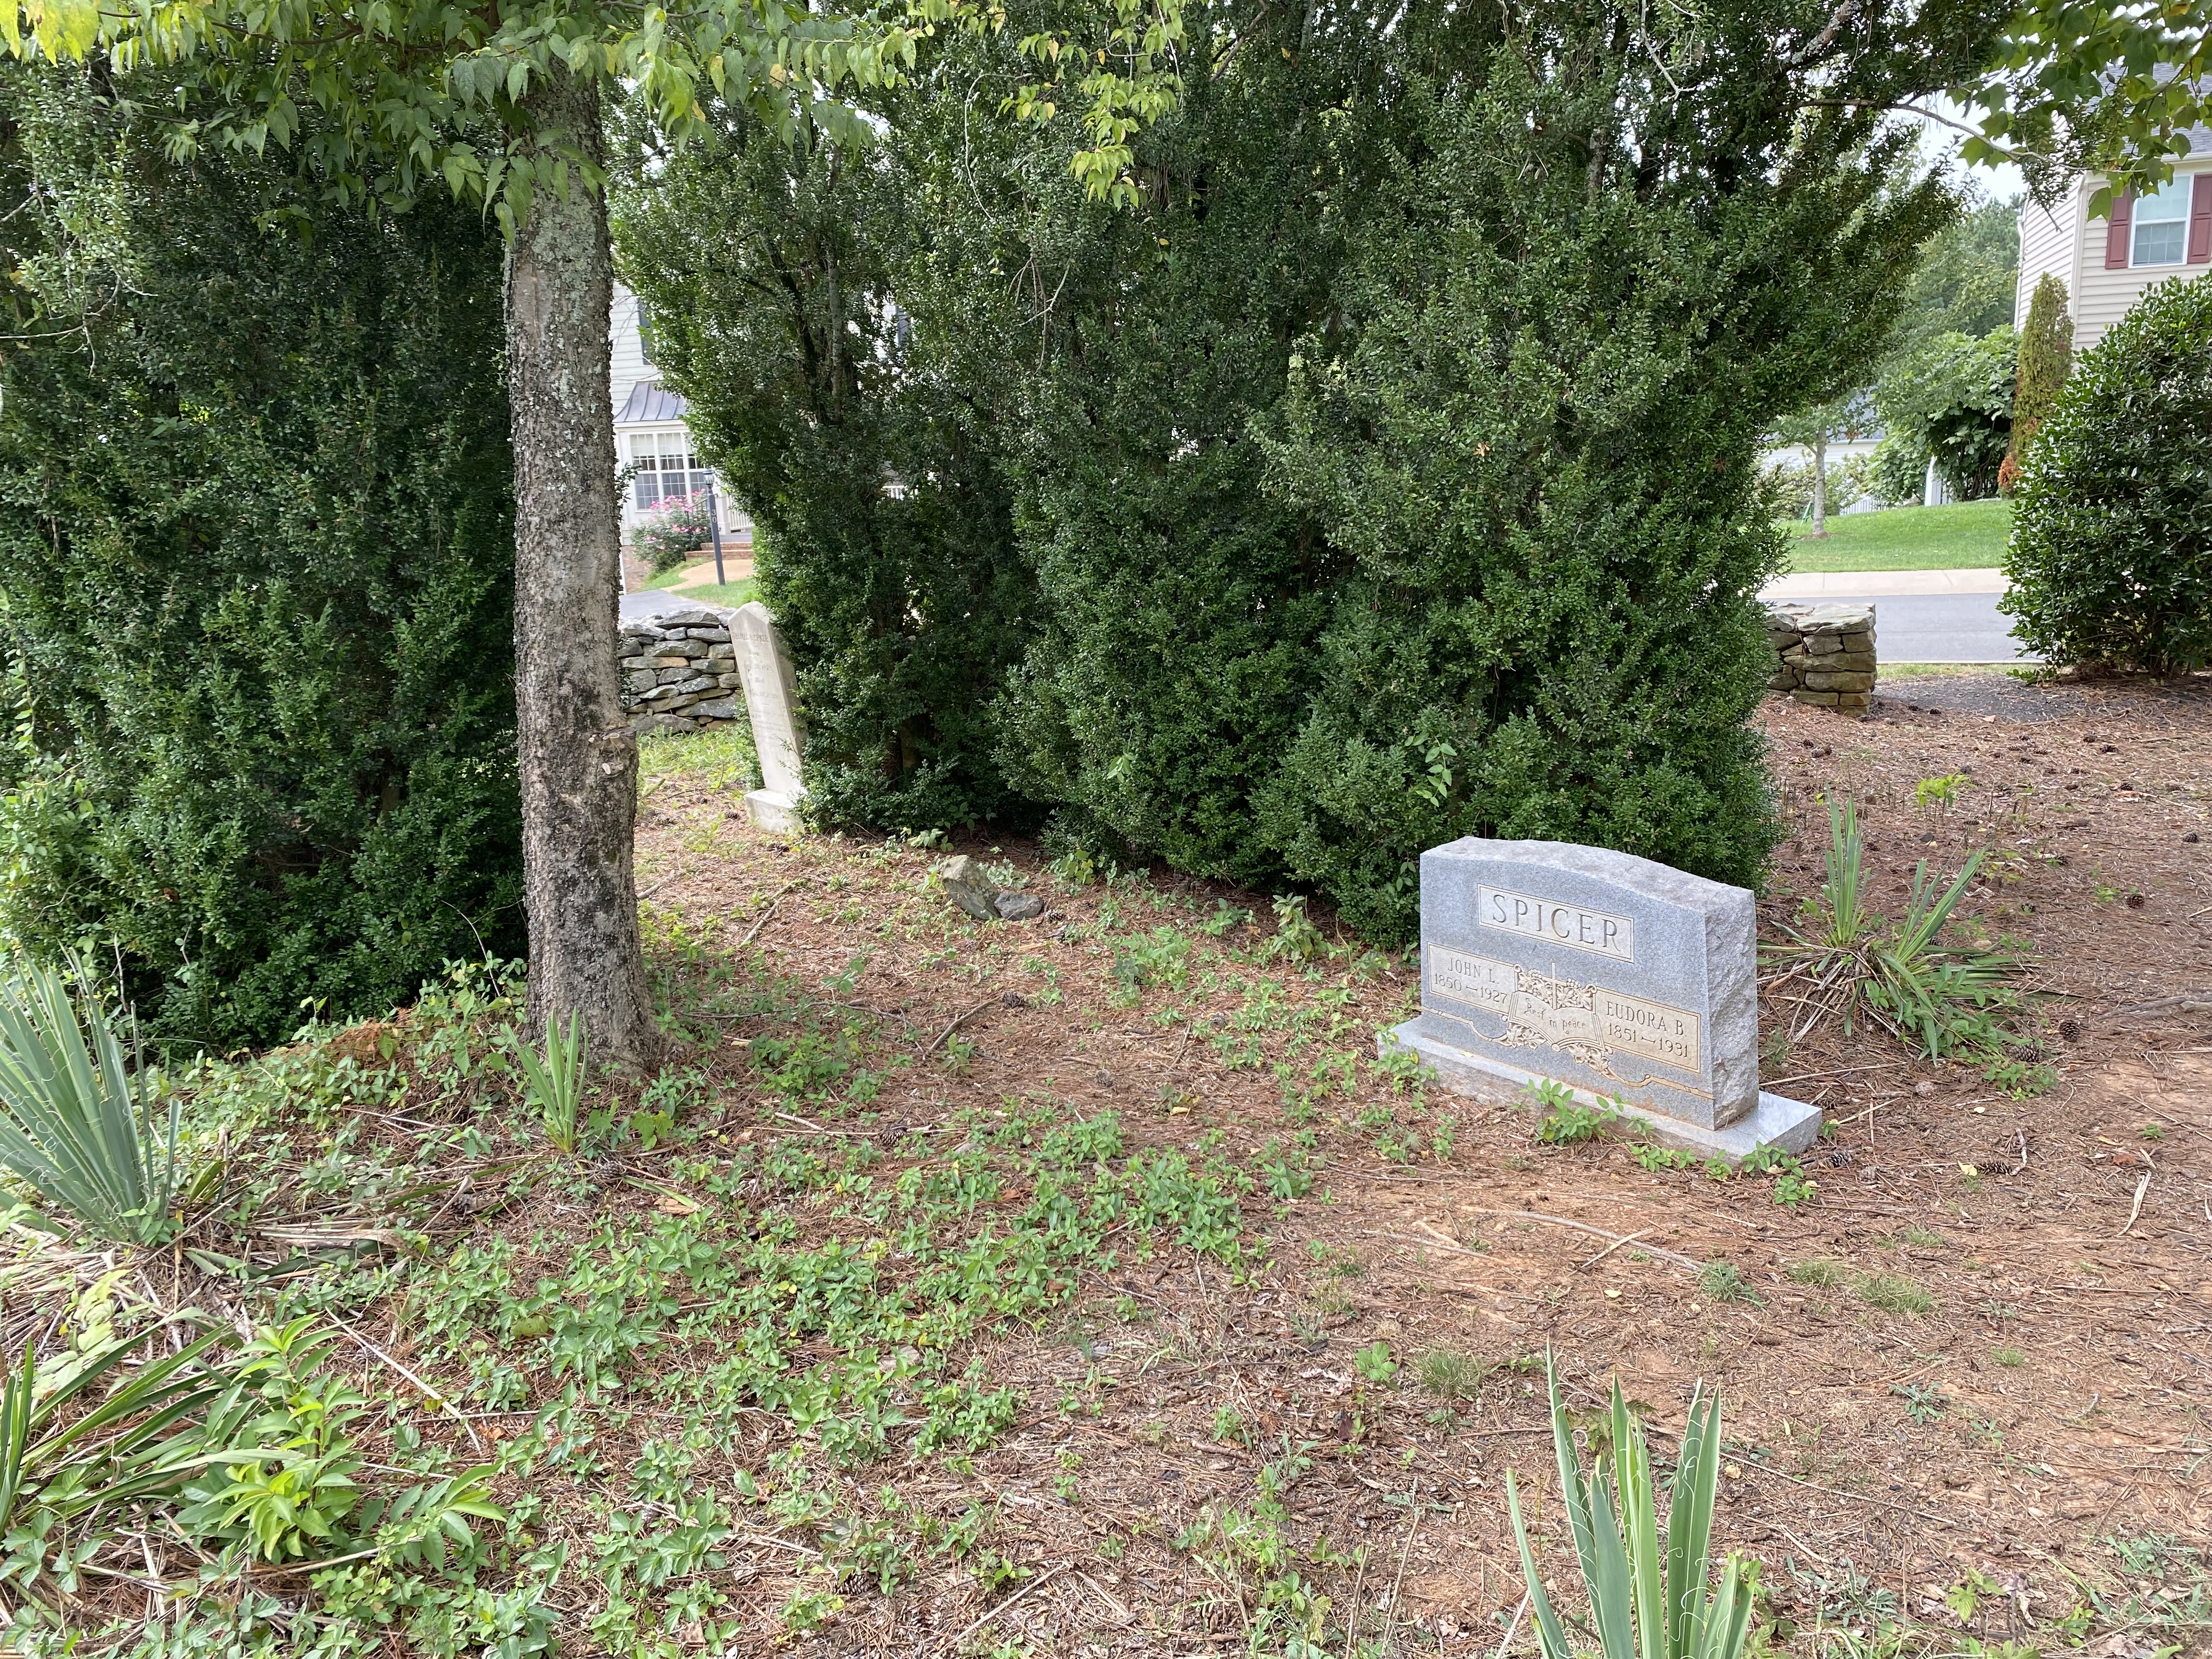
(1972, 131)
(1817, 48)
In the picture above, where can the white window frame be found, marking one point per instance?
(2176, 193)
(664, 465)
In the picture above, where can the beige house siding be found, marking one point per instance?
(2108, 295)
(2046, 248)
(652, 432)
(628, 364)
(2067, 242)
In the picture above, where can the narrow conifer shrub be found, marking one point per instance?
(2046, 358)
(841, 329)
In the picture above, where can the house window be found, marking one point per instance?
(2161, 225)
(667, 467)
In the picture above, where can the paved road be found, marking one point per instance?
(654, 602)
(1908, 627)
(1941, 627)
(1920, 616)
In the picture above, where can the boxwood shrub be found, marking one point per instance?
(256, 545)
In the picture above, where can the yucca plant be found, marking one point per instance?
(1924, 992)
(555, 1082)
(79, 1122)
(83, 1432)
(1846, 923)
(1647, 1597)
(1938, 999)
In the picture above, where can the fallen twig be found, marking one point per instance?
(1513, 1624)
(1611, 1247)
(754, 931)
(1838, 1491)
(960, 1019)
(2135, 1209)
(269, 1567)
(808, 1123)
(428, 1393)
(658, 886)
(1674, 1256)
(774, 1543)
(1841, 1070)
(2181, 1000)
(1039, 1583)
(1398, 1584)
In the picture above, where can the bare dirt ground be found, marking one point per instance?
(1981, 1349)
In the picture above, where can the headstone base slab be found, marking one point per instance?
(1791, 1125)
(777, 814)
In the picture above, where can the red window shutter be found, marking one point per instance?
(2116, 232)
(2200, 221)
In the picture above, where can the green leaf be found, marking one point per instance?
(1611, 1589)
(1639, 1518)
(1570, 1480)
(1690, 1524)
(1549, 1634)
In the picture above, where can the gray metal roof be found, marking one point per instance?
(650, 402)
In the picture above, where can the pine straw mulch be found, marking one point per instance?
(2061, 1371)
(2050, 1230)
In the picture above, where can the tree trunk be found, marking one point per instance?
(578, 759)
(1821, 486)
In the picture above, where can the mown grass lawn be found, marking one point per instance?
(1968, 537)
(729, 594)
(745, 588)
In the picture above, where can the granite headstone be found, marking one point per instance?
(1632, 984)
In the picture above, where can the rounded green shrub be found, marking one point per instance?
(2110, 561)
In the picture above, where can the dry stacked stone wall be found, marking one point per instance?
(1826, 653)
(679, 673)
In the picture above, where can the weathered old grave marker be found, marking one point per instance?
(772, 699)
(1632, 984)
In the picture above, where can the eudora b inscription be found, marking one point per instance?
(1629, 982)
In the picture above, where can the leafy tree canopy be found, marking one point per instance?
(2111, 87)
(1952, 398)
(409, 92)
(1965, 281)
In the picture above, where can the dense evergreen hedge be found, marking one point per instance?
(2110, 559)
(256, 546)
(1533, 436)
(836, 325)
(1387, 473)
(1182, 601)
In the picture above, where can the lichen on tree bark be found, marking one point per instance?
(577, 757)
